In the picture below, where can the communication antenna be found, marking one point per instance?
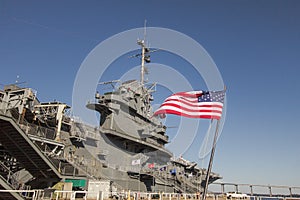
(145, 55)
(17, 80)
(145, 29)
(112, 83)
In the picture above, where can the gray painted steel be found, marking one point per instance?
(127, 148)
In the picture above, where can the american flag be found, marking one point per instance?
(151, 165)
(194, 104)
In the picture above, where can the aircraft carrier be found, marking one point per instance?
(42, 144)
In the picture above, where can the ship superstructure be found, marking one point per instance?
(41, 144)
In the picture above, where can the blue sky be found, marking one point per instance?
(255, 45)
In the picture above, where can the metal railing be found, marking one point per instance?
(128, 195)
(11, 176)
(27, 194)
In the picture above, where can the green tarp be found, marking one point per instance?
(77, 182)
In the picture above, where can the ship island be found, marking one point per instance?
(42, 146)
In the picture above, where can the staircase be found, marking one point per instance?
(27, 153)
(6, 195)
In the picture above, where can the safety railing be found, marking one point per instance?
(127, 195)
(24, 194)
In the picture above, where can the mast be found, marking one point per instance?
(145, 57)
(142, 44)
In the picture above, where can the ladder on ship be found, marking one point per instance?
(14, 140)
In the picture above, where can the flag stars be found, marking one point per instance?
(212, 97)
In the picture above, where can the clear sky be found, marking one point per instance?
(255, 45)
